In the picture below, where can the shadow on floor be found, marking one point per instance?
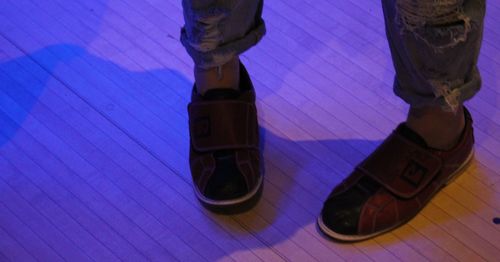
(150, 108)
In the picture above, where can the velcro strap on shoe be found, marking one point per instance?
(401, 166)
(218, 125)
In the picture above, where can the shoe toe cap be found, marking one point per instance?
(341, 212)
(227, 182)
(341, 215)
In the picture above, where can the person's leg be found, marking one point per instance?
(216, 32)
(224, 137)
(435, 46)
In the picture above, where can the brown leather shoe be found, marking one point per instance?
(224, 149)
(393, 184)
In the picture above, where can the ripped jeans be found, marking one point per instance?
(434, 43)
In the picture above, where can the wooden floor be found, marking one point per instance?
(94, 141)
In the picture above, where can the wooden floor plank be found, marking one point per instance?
(77, 164)
(12, 250)
(14, 203)
(34, 244)
(96, 133)
(64, 224)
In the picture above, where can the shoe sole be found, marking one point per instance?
(231, 206)
(350, 238)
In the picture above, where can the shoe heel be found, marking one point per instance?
(461, 169)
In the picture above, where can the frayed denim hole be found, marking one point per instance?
(439, 24)
(446, 90)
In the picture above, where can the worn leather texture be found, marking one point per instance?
(408, 176)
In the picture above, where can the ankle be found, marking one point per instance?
(225, 76)
(441, 129)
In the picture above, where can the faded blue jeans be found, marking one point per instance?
(434, 43)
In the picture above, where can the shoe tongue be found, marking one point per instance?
(411, 135)
(221, 94)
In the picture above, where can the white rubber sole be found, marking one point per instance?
(231, 202)
(354, 238)
(348, 238)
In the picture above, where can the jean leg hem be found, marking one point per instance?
(224, 53)
(459, 95)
